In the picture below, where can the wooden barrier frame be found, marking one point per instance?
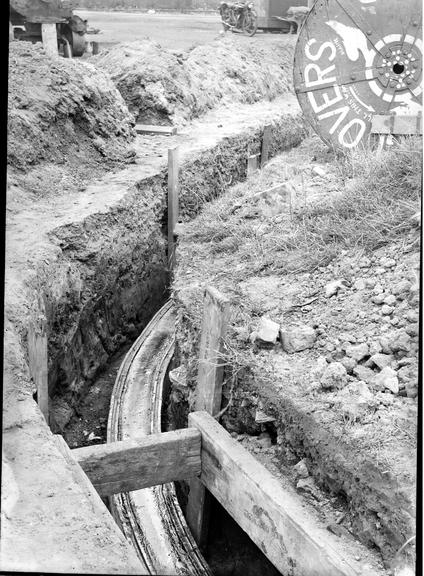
(257, 501)
(260, 505)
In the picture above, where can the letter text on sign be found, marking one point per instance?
(317, 56)
(319, 75)
(327, 101)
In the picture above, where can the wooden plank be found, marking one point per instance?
(172, 203)
(266, 143)
(130, 465)
(264, 510)
(49, 37)
(252, 164)
(396, 124)
(209, 396)
(211, 367)
(38, 363)
(153, 129)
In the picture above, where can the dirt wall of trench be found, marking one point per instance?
(111, 272)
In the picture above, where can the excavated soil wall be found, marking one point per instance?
(112, 273)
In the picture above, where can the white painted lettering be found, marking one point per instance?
(319, 75)
(351, 141)
(327, 102)
(342, 112)
(317, 55)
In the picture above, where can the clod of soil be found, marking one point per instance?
(66, 112)
(163, 86)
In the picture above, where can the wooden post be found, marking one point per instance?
(172, 203)
(252, 164)
(38, 363)
(271, 516)
(266, 142)
(49, 37)
(209, 396)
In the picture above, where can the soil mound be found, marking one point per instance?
(168, 87)
(63, 111)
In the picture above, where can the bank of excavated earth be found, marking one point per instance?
(86, 255)
(322, 273)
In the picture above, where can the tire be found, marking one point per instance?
(250, 23)
(226, 18)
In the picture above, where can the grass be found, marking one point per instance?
(367, 202)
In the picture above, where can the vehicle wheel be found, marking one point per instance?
(250, 24)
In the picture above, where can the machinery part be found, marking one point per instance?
(355, 59)
(151, 518)
(250, 23)
(31, 14)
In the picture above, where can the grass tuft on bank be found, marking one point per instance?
(368, 201)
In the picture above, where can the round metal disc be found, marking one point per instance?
(355, 59)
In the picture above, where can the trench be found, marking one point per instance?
(109, 296)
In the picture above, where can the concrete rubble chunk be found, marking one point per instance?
(349, 364)
(332, 288)
(301, 469)
(401, 287)
(399, 341)
(319, 367)
(390, 299)
(262, 418)
(335, 376)
(355, 400)
(308, 486)
(387, 378)
(298, 338)
(378, 298)
(358, 352)
(386, 310)
(268, 332)
(178, 377)
(364, 373)
(382, 360)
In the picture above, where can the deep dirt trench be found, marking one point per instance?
(110, 280)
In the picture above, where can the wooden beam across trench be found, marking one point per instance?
(129, 465)
(244, 487)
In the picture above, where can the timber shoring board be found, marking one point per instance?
(129, 465)
(152, 129)
(211, 362)
(38, 363)
(397, 124)
(209, 397)
(260, 505)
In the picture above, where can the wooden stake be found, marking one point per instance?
(252, 164)
(266, 142)
(172, 203)
(38, 363)
(209, 396)
(49, 37)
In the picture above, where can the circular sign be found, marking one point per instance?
(356, 59)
